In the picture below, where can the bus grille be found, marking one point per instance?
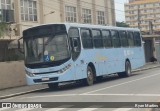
(50, 79)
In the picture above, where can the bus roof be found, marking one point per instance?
(68, 25)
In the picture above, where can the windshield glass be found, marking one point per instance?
(46, 49)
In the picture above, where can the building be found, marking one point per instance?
(27, 13)
(22, 14)
(144, 14)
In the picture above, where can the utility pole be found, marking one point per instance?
(139, 26)
(150, 27)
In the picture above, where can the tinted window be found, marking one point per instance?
(73, 32)
(137, 39)
(107, 38)
(115, 39)
(124, 39)
(131, 39)
(86, 38)
(97, 37)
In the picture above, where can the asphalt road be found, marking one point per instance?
(140, 87)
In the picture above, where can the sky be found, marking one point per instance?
(119, 7)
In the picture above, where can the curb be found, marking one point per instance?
(31, 91)
(21, 93)
(146, 68)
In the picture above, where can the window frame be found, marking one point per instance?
(29, 11)
(75, 55)
(5, 5)
(139, 40)
(129, 38)
(113, 40)
(101, 38)
(83, 39)
(126, 38)
(101, 17)
(72, 11)
(87, 16)
(111, 46)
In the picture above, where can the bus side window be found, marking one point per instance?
(137, 39)
(115, 39)
(107, 40)
(124, 39)
(75, 42)
(131, 39)
(86, 38)
(97, 38)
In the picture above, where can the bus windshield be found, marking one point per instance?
(46, 49)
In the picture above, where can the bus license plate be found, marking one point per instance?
(45, 79)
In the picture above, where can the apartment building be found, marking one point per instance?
(144, 14)
(22, 14)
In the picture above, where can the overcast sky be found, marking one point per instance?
(119, 7)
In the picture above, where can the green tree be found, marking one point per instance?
(121, 24)
(3, 27)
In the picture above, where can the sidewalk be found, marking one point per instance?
(11, 92)
(148, 66)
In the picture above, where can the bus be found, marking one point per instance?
(64, 52)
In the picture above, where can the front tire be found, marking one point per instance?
(53, 86)
(128, 70)
(90, 77)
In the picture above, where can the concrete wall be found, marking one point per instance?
(12, 74)
(157, 48)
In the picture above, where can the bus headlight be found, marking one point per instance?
(64, 69)
(29, 74)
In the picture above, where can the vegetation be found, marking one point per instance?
(3, 27)
(121, 24)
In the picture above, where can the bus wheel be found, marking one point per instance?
(90, 76)
(127, 72)
(53, 85)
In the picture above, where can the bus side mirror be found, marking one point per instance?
(20, 49)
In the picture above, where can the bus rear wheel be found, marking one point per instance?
(90, 77)
(53, 86)
(128, 70)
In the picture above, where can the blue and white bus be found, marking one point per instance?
(56, 53)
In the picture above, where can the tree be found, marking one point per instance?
(121, 24)
(3, 27)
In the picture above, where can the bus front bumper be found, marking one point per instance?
(50, 78)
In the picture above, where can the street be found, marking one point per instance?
(142, 86)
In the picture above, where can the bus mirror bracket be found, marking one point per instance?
(20, 49)
(75, 44)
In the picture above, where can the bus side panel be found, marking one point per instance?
(135, 56)
(138, 57)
